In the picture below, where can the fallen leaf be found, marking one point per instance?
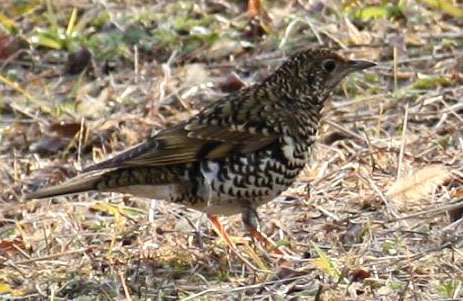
(78, 61)
(231, 83)
(423, 182)
(253, 8)
(9, 45)
(66, 129)
(360, 274)
(446, 6)
(11, 246)
(5, 288)
(49, 144)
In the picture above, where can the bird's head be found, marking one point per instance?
(315, 72)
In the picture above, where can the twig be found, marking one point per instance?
(388, 205)
(11, 58)
(433, 211)
(442, 35)
(346, 131)
(82, 250)
(126, 289)
(315, 32)
(79, 148)
(327, 213)
(394, 62)
(404, 140)
(319, 292)
(27, 95)
(243, 288)
(136, 63)
(404, 291)
(334, 39)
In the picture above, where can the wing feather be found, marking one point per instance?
(188, 143)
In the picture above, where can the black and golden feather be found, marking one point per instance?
(238, 153)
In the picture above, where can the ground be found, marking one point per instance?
(376, 214)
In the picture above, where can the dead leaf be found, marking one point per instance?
(49, 144)
(9, 247)
(231, 83)
(356, 36)
(360, 274)
(93, 107)
(9, 45)
(5, 288)
(195, 74)
(66, 129)
(419, 184)
(352, 235)
(384, 291)
(253, 8)
(78, 61)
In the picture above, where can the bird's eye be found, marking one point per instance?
(329, 65)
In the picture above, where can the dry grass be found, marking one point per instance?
(350, 239)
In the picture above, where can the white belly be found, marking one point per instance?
(158, 192)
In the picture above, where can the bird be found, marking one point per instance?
(236, 154)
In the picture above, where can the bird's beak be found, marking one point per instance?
(360, 64)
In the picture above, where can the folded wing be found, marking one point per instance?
(188, 143)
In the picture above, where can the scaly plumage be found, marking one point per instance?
(238, 153)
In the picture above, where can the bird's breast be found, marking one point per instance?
(258, 177)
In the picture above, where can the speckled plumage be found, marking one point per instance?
(238, 153)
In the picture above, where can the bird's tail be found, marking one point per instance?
(76, 185)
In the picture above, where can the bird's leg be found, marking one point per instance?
(220, 230)
(251, 222)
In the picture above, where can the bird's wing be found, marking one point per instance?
(231, 125)
(189, 142)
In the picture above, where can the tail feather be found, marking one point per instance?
(76, 185)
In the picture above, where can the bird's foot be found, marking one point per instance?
(265, 240)
(220, 230)
(251, 222)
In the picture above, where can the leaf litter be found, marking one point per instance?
(354, 230)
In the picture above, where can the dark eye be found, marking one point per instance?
(329, 65)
